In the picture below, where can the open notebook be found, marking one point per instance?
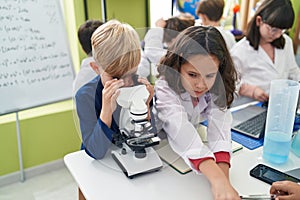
(166, 153)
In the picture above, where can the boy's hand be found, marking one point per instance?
(110, 93)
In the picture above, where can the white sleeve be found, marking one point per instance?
(229, 39)
(294, 70)
(154, 44)
(144, 66)
(219, 128)
(238, 64)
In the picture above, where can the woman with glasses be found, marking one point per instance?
(266, 53)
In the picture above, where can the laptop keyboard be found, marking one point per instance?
(254, 125)
(248, 142)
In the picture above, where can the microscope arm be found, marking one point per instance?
(134, 99)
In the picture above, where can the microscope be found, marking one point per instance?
(136, 155)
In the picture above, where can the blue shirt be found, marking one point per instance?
(96, 135)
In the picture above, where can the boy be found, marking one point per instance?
(86, 73)
(117, 53)
(210, 12)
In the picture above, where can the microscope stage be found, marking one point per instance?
(132, 166)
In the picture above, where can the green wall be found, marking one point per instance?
(51, 134)
(296, 5)
(45, 138)
(129, 11)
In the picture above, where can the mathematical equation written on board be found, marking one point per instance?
(32, 48)
(34, 74)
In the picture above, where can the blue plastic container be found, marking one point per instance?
(280, 120)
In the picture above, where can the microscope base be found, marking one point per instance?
(132, 166)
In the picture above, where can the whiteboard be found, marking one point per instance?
(35, 60)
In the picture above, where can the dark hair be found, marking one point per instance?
(85, 32)
(201, 40)
(276, 13)
(213, 9)
(174, 25)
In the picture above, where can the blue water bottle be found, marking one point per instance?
(280, 120)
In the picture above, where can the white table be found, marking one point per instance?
(102, 179)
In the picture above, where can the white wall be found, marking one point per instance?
(158, 9)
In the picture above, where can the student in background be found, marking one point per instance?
(286, 190)
(266, 53)
(86, 73)
(158, 39)
(117, 53)
(210, 12)
(196, 83)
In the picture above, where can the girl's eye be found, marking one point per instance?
(210, 75)
(192, 75)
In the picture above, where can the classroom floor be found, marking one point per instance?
(57, 184)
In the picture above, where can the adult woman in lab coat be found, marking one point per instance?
(265, 53)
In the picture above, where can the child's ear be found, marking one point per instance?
(95, 67)
(258, 20)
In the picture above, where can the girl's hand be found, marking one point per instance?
(220, 185)
(260, 95)
(253, 92)
(149, 87)
(110, 93)
(222, 190)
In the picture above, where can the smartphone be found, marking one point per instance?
(259, 197)
(270, 175)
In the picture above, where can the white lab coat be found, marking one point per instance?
(227, 36)
(179, 119)
(256, 67)
(153, 51)
(85, 74)
(144, 67)
(154, 47)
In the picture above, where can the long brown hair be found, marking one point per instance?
(276, 13)
(197, 40)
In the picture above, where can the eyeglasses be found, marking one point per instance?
(274, 30)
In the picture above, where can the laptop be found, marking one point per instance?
(250, 121)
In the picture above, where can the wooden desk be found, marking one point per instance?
(102, 179)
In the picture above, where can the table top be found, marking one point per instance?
(103, 178)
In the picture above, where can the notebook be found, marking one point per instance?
(166, 153)
(250, 121)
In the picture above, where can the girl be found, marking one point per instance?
(116, 50)
(190, 88)
(266, 53)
